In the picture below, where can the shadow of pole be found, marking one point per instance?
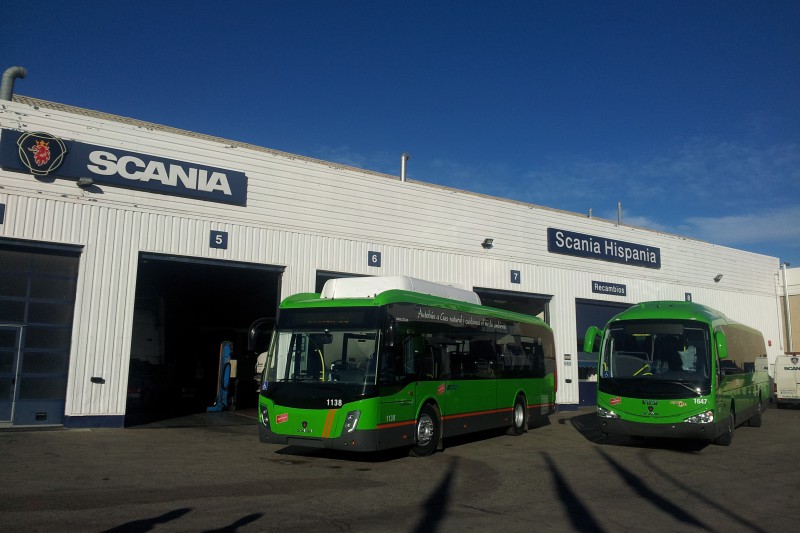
(234, 527)
(436, 504)
(655, 498)
(581, 518)
(148, 524)
(702, 497)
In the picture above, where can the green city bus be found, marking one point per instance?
(678, 369)
(383, 362)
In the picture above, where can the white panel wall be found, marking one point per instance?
(309, 215)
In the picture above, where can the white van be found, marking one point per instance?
(787, 379)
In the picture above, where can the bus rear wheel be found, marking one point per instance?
(427, 432)
(726, 437)
(519, 418)
(755, 420)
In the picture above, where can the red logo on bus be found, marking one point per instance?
(280, 419)
(440, 389)
(615, 401)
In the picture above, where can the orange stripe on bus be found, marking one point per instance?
(493, 411)
(396, 424)
(476, 413)
(326, 430)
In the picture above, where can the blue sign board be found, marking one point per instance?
(43, 154)
(561, 241)
(601, 287)
(219, 239)
(374, 259)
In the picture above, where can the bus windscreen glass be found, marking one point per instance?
(655, 356)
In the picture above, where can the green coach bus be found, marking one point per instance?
(678, 369)
(382, 362)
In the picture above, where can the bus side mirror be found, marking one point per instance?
(258, 336)
(592, 334)
(722, 345)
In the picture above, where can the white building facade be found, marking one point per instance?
(135, 248)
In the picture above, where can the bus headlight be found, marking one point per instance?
(265, 417)
(702, 418)
(351, 421)
(602, 412)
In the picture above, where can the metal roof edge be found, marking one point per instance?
(36, 102)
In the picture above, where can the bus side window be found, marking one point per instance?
(483, 356)
(432, 365)
(411, 356)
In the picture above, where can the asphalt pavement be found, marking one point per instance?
(208, 472)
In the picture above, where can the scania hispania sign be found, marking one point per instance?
(43, 154)
(593, 247)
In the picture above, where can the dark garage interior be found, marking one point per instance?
(185, 308)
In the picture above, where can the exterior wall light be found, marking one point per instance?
(487, 243)
(85, 183)
(717, 278)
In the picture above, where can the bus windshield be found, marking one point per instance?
(651, 354)
(329, 355)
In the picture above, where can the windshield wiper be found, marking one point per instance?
(693, 389)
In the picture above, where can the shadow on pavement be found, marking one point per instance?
(588, 426)
(223, 418)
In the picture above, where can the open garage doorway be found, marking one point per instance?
(185, 308)
(591, 313)
(537, 305)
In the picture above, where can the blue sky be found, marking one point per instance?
(687, 112)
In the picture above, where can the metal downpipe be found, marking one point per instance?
(7, 85)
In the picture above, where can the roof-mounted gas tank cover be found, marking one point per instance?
(368, 287)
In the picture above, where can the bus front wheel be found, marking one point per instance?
(427, 432)
(519, 417)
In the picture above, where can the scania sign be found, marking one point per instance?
(74, 160)
(561, 241)
(137, 169)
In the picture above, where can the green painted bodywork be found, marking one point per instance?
(737, 393)
(389, 419)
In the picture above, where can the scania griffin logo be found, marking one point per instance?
(41, 153)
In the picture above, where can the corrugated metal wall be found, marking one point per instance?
(308, 215)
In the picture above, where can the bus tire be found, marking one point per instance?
(755, 420)
(427, 432)
(726, 437)
(519, 417)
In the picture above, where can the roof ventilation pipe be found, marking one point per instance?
(403, 158)
(7, 85)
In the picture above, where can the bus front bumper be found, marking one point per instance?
(678, 430)
(356, 441)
